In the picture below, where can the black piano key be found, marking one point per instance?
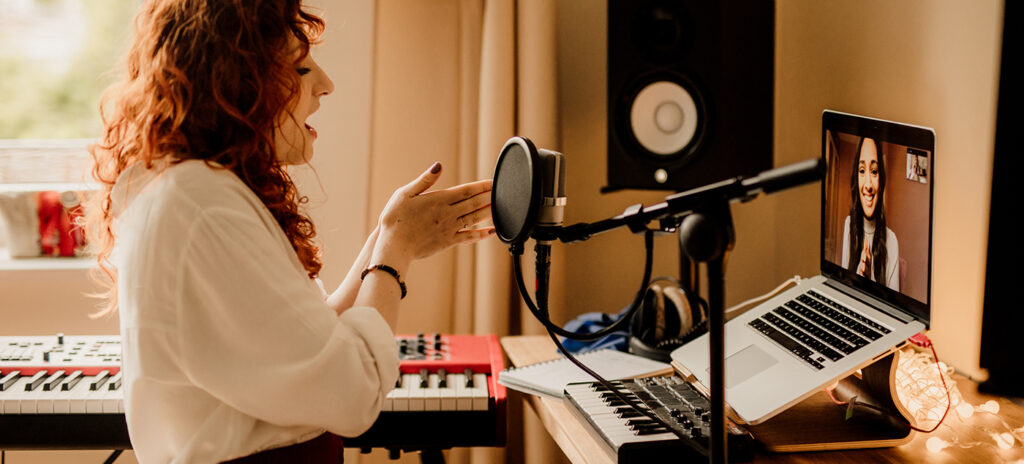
(442, 376)
(35, 381)
(424, 376)
(71, 381)
(9, 379)
(469, 377)
(53, 381)
(100, 379)
(115, 382)
(627, 413)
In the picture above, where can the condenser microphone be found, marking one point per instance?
(528, 193)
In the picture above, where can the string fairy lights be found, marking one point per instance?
(918, 388)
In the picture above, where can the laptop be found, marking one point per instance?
(873, 291)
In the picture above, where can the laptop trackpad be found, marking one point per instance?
(745, 364)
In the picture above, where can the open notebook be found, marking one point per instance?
(549, 378)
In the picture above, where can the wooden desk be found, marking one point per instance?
(578, 445)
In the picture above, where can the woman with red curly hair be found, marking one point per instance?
(231, 348)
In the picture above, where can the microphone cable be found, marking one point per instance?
(540, 311)
(544, 260)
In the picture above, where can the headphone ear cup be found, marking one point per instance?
(646, 320)
(681, 310)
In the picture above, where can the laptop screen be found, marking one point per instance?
(876, 229)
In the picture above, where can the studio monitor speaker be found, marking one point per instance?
(690, 91)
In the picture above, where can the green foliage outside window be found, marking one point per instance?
(56, 58)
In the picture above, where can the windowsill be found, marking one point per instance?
(49, 186)
(44, 263)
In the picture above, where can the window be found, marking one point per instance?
(56, 58)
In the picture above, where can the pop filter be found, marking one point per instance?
(516, 191)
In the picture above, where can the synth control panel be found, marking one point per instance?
(454, 353)
(90, 354)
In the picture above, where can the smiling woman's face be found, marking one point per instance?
(294, 137)
(867, 177)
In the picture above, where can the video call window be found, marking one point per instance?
(873, 182)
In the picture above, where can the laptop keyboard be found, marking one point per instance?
(814, 327)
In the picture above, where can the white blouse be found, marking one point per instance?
(228, 347)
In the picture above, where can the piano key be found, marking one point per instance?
(99, 380)
(94, 396)
(36, 400)
(443, 376)
(9, 379)
(71, 381)
(401, 397)
(11, 397)
(449, 396)
(433, 393)
(35, 381)
(417, 392)
(53, 382)
(463, 401)
(113, 401)
(72, 399)
(479, 392)
(115, 382)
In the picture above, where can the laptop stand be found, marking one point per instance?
(818, 424)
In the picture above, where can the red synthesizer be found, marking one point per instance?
(64, 392)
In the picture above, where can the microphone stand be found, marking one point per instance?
(704, 221)
(707, 236)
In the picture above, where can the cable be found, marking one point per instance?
(542, 315)
(738, 307)
(629, 401)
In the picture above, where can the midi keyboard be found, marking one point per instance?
(631, 437)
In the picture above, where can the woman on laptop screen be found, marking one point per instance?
(875, 256)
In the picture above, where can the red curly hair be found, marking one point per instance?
(206, 79)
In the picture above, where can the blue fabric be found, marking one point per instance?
(593, 322)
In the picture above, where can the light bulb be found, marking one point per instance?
(990, 406)
(1003, 440)
(936, 444)
(965, 410)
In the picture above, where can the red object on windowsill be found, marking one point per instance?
(58, 217)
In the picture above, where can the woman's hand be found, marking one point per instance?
(416, 224)
(865, 260)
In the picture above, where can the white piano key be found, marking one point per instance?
(12, 397)
(94, 401)
(113, 400)
(401, 395)
(417, 394)
(449, 397)
(463, 400)
(32, 399)
(70, 400)
(432, 393)
(479, 392)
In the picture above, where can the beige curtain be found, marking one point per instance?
(452, 81)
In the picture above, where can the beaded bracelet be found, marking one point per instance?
(387, 269)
